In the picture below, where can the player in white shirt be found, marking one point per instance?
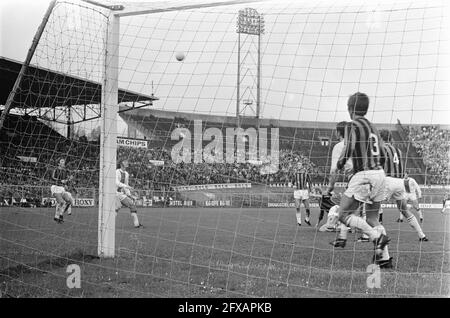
(336, 154)
(395, 188)
(124, 197)
(413, 194)
(446, 204)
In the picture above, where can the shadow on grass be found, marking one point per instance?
(77, 257)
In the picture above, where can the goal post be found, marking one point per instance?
(109, 109)
(108, 142)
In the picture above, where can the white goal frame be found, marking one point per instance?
(109, 108)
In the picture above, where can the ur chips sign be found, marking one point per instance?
(133, 143)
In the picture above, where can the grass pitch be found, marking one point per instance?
(214, 252)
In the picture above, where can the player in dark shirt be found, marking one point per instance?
(364, 145)
(61, 179)
(393, 163)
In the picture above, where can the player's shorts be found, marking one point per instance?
(301, 194)
(123, 200)
(366, 186)
(395, 188)
(119, 198)
(57, 189)
(410, 197)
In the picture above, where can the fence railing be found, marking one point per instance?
(238, 198)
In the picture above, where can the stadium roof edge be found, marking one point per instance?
(59, 89)
(252, 121)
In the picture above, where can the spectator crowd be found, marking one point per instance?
(433, 145)
(82, 157)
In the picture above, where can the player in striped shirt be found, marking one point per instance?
(124, 196)
(301, 182)
(364, 145)
(395, 186)
(393, 165)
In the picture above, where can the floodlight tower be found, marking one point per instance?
(249, 22)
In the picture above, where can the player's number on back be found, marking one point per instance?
(396, 161)
(374, 142)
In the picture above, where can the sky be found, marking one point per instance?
(314, 54)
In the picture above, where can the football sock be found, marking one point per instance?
(401, 216)
(343, 229)
(299, 217)
(420, 213)
(412, 220)
(135, 219)
(381, 230)
(359, 223)
(57, 211)
(322, 212)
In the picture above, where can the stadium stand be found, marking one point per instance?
(27, 137)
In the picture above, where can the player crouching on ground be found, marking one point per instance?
(327, 204)
(124, 197)
(64, 199)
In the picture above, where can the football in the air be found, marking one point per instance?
(179, 56)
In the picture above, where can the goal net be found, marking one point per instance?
(215, 105)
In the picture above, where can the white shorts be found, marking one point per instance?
(395, 188)
(119, 198)
(366, 186)
(301, 194)
(410, 197)
(57, 189)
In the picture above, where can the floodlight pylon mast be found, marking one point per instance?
(249, 22)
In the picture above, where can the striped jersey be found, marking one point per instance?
(59, 174)
(301, 181)
(122, 177)
(411, 186)
(393, 166)
(364, 145)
